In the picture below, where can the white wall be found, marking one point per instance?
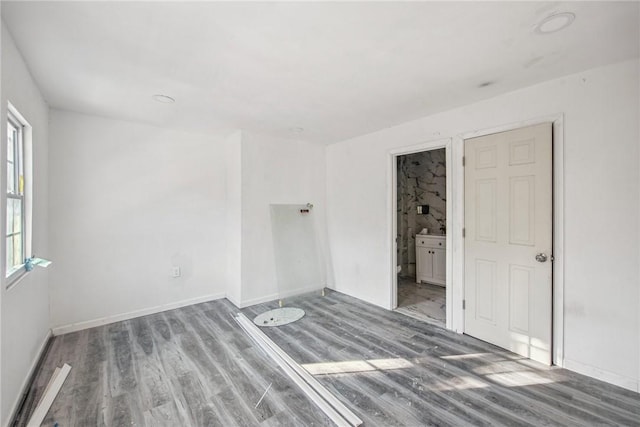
(602, 280)
(275, 171)
(24, 307)
(128, 202)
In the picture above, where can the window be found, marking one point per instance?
(15, 234)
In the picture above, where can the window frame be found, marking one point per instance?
(13, 273)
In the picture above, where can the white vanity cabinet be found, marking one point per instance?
(431, 259)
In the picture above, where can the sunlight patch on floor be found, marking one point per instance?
(355, 366)
(500, 368)
(518, 379)
(458, 383)
(467, 356)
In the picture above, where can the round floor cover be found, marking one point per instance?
(279, 316)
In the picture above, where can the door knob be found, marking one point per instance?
(541, 257)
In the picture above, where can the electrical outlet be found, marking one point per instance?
(175, 272)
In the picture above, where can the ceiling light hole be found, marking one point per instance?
(555, 22)
(165, 99)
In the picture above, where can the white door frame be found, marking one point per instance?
(393, 155)
(558, 222)
(455, 222)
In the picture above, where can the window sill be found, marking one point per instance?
(15, 277)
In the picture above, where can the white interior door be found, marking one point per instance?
(508, 234)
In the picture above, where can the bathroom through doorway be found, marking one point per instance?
(420, 240)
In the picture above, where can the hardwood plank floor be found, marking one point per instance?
(195, 367)
(420, 374)
(188, 367)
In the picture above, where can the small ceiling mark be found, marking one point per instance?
(533, 61)
(164, 99)
(554, 23)
(296, 129)
(485, 84)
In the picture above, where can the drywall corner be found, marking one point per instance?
(133, 217)
(233, 188)
(276, 171)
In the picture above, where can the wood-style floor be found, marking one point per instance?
(194, 366)
(188, 367)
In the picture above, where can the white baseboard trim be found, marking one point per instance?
(276, 296)
(258, 300)
(233, 301)
(602, 375)
(300, 291)
(73, 327)
(25, 382)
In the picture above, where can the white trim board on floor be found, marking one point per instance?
(73, 327)
(50, 393)
(26, 382)
(340, 414)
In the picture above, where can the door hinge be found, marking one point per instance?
(463, 160)
(464, 304)
(463, 232)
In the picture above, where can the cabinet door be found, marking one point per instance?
(439, 265)
(424, 264)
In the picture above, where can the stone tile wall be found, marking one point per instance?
(421, 181)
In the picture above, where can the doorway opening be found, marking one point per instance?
(456, 299)
(421, 225)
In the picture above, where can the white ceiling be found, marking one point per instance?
(337, 70)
